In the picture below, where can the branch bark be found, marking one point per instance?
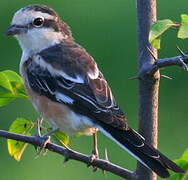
(148, 85)
(70, 154)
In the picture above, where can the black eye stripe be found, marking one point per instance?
(52, 24)
(57, 26)
(48, 23)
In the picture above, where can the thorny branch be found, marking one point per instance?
(104, 165)
(149, 70)
(148, 86)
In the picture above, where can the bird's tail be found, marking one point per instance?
(135, 144)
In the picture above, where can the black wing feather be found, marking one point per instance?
(85, 101)
(92, 98)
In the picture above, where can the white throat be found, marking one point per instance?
(36, 40)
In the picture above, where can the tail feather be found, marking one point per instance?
(135, 144)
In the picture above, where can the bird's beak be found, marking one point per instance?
(16, 29)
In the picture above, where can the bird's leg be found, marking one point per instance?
(39, 123)
(45, 138)
(40, 150)
(95, 153)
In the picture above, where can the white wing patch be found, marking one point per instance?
(64, 98)
(94, 74)
(53, 71)
(78, 78)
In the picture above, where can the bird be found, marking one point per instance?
(69, 91)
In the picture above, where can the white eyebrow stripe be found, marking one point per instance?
(38, 13)
(26, 17)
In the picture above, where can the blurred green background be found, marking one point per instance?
(107, 29)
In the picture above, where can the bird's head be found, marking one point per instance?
(37, 27)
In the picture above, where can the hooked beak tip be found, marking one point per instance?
(14, 30)
(10, 30)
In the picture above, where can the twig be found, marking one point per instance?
(181, 61)
(180, 51)
(99, 163)
(166, 77)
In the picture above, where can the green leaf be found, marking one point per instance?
(10, 95)
(13, 87)
(183, 30)
(13, 76)
(11, 81)
(4, 82)
(7, 97)
(18, 88)
(176, 177)
(185, 155)
(159, 28)
(5, 101)
(62, 137)
(156, 43)
(15, 81)
(20, 126)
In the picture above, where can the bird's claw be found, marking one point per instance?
(41, 150)
(94, 155)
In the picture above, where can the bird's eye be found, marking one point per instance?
(38, 22)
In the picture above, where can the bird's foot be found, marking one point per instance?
(94, 155)
(41, 150)
(45, 140)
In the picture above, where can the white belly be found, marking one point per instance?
(61, 116)
(72, 123)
